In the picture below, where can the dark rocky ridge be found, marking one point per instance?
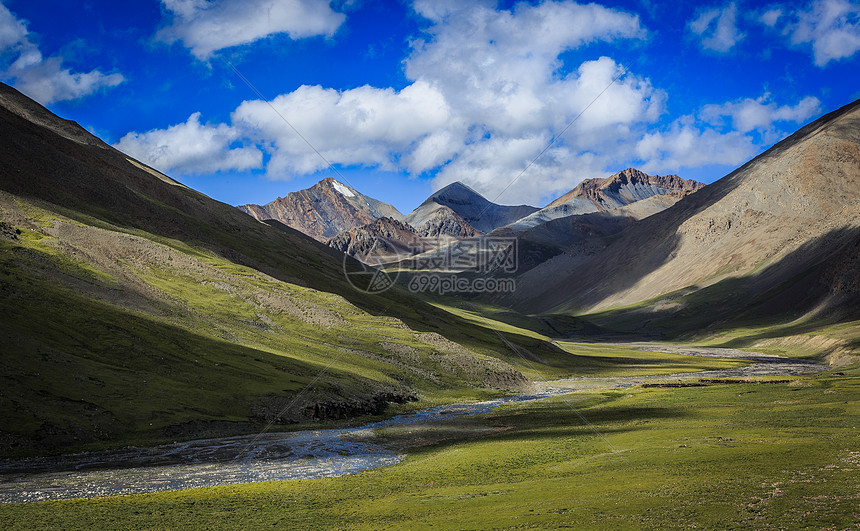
(475, 209)
(384, 239)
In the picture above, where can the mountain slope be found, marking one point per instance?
(324, 210)
(777, 236)
(600, 195)
(135, 309)
(384, 240)
(476, 210)
(440, 222)
(580, 235)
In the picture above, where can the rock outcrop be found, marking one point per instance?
(443, 223)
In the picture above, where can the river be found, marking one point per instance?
(221, 461)
(297, 455)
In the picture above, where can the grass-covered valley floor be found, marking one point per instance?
(780, 456)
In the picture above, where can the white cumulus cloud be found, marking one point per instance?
(499, 71)
(760, 113)
(12, 30)
(485, 89)
(498, 68)
(362, 126)
(685, 144)
(718, 28)
(722, 133)
(616, 113)
(770, 17)
(43, 79)
(206, 26)
(831, 27)
(191, 148)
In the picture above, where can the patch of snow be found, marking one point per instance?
(346, 192)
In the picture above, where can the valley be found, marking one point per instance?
(674, 354)
(741, 454)
(334, 452)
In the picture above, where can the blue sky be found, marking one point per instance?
(406, 97)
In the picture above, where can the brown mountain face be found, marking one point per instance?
(381, 241)
(779, 235)
(323, 210)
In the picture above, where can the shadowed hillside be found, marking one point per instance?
(136, 309)
(789, 214)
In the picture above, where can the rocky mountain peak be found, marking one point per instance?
(625, 187)
(325, 209)
(476, 210)
(457, 193)
(333, 184)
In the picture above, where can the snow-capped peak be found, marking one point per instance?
(343, 190)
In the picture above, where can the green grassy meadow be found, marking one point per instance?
(115, 335)
(781, 456)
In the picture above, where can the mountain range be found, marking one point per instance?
(593, 211)
(456, 213)
(602, 195)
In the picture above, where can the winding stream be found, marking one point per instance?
(297, 455)
(221, 461)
